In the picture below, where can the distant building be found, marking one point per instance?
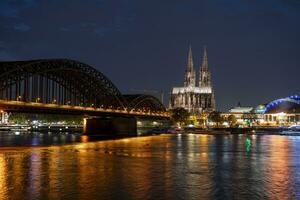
(289, 104)
(240, 113)
(284, 111)
(196, 97)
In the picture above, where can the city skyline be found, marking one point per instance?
(252, 45)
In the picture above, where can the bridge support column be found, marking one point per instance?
(110, 126)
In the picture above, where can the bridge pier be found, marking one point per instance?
(110, 126)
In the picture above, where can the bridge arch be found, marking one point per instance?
(60, 81)
(146, 103)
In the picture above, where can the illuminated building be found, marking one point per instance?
(195, 98)
(289, 104)
(284, 111)
(243, 114)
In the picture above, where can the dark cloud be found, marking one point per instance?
(12, 8)
(66, 29)
(292, 3)
(4, 52)
(22, 27)
(101, 31)
(6, 56)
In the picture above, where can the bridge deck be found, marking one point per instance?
(19, 106)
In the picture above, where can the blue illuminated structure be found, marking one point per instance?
(289, 104)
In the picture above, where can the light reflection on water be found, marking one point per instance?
(37, 139)
(155, 167)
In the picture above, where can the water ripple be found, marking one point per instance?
(156, 167)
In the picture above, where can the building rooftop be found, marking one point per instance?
(240, 109)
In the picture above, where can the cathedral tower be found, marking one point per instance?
(190, 74)
(204, 76)
(205, 85)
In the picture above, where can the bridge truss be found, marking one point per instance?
(69, 83)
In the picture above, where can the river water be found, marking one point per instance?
(186, 166)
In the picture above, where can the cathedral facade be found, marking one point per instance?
(195, 96)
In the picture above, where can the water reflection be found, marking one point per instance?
(3, 178)
(156, 167)
(248, 145)
(37, 139)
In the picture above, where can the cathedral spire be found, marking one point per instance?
(190, 75)
(205, 60)
(205, 78)
(190, 64)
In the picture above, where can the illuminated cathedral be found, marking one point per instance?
(195, 96)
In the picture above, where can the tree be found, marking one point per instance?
(17, 118)
(232, 120)
(216, 117)
(179, 115)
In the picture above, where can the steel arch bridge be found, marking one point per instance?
(69, 84)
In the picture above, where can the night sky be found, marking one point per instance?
(253, 45)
